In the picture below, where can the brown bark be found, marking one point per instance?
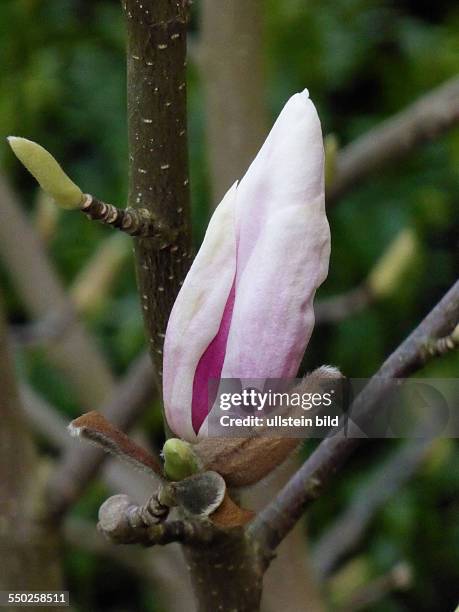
(226, 575)
(28, 547)
(231, 57)
(158, 164)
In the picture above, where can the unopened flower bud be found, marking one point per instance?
(46, 170)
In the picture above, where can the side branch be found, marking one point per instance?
(278, 518)
(132, 221)
(426, 119)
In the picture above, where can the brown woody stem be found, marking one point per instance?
(132, 221)
(123, 522)
(158, 155)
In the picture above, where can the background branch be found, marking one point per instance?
(75, 354)
(231, 61)
(424, 120)
(80, 463)
(340, 307)
(29, 547)
(382, 281)
(399, 578)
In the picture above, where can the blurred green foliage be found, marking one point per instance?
(63, 84)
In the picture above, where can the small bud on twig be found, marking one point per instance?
(52, 179)
(49, 174)
(180, 460)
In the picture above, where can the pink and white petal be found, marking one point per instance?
(283, 247)
(197, 315)
(273, 314)
(287, 171)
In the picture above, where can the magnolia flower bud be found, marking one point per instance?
(50, 176)
(245, 309)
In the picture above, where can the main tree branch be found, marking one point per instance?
(278, 518)
(158, 158)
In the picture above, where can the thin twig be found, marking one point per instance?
(133, 221)
(424, 120)
(278, 518)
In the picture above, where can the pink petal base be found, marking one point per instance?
(210, 366)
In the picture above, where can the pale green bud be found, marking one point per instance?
(47, 172)
(180, 460)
